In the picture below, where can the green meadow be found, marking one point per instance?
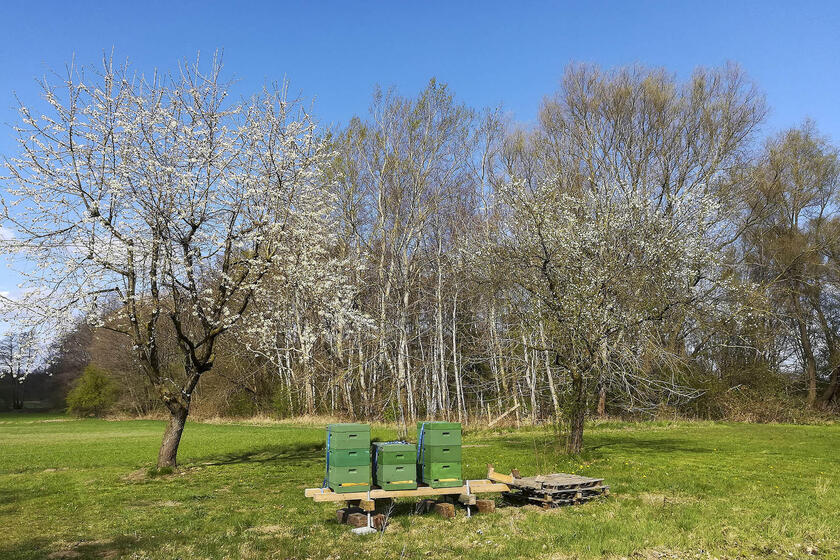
(85, 489)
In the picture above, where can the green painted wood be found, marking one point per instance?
(394, 477)
(439, 426)
(349, 457)
(397, 486)
(441, 437)
(339, 488)
(442, 453)
(349, 479)
(348, 436)
(441, 475)
(350, 427)
(441, 470)
(395, 453)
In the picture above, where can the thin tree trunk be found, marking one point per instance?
(833, 388)
(602, 401)
(807, 351)
(810, 362)
(577, 414)
(548, 375)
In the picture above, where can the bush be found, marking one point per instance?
(241, 405)
(92, 394)
(282, 402)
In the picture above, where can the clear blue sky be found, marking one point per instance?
(489, 52)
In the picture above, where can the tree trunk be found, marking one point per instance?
(807, 352)
(17, 397)
(833, 388)
(577, 415)
(172, 436)
(810, 362)
(602, 401)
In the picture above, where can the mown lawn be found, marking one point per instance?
(79, 489)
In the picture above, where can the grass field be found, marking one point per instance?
(80, 489)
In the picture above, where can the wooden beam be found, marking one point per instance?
(476, 487)
(498, 477)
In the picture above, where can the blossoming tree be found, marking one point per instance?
(164, 200)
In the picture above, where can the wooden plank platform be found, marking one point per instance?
(552, 490)
(481, 486)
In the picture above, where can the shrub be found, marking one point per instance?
(282, 402)
(92, 394)
(241, 405)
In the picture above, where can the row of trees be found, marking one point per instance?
(636, 244)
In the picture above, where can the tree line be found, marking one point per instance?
(640, 248)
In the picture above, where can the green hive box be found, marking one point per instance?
(395, 465)
(348, 436)
(348, 457)
(349, 479)
(442, 453)
(441, 475)
(439, 433)
(396, 477)
(395, 453)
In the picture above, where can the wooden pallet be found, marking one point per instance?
(552, 490)
(481, 486)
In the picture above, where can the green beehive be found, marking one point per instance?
(348, 436)
(348, 457)
(442, 475)
(394, 453)
(443, 454)
(396, 477)
(439, 433)
(439, 458)
(394, 465)
(349, 479)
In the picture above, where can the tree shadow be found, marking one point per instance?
(10, 497)
(42, 547)
(596, 447)
(615, 442)
(295, 454)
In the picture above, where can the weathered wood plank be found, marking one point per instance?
(475, 487)
(498, 477)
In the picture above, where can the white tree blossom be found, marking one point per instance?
(138, 199)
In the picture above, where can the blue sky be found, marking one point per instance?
(510, 53)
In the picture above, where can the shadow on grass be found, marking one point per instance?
(638, 444)
(596, 446)
(292, 454)
(9, 497)
(42, 547)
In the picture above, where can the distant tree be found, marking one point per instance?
(20, 356)
(69, 353)
(793, 245)
(92, 394)
(165, 200)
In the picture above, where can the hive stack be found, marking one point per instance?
(348, 457)
(394, 465)
(439, 454)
